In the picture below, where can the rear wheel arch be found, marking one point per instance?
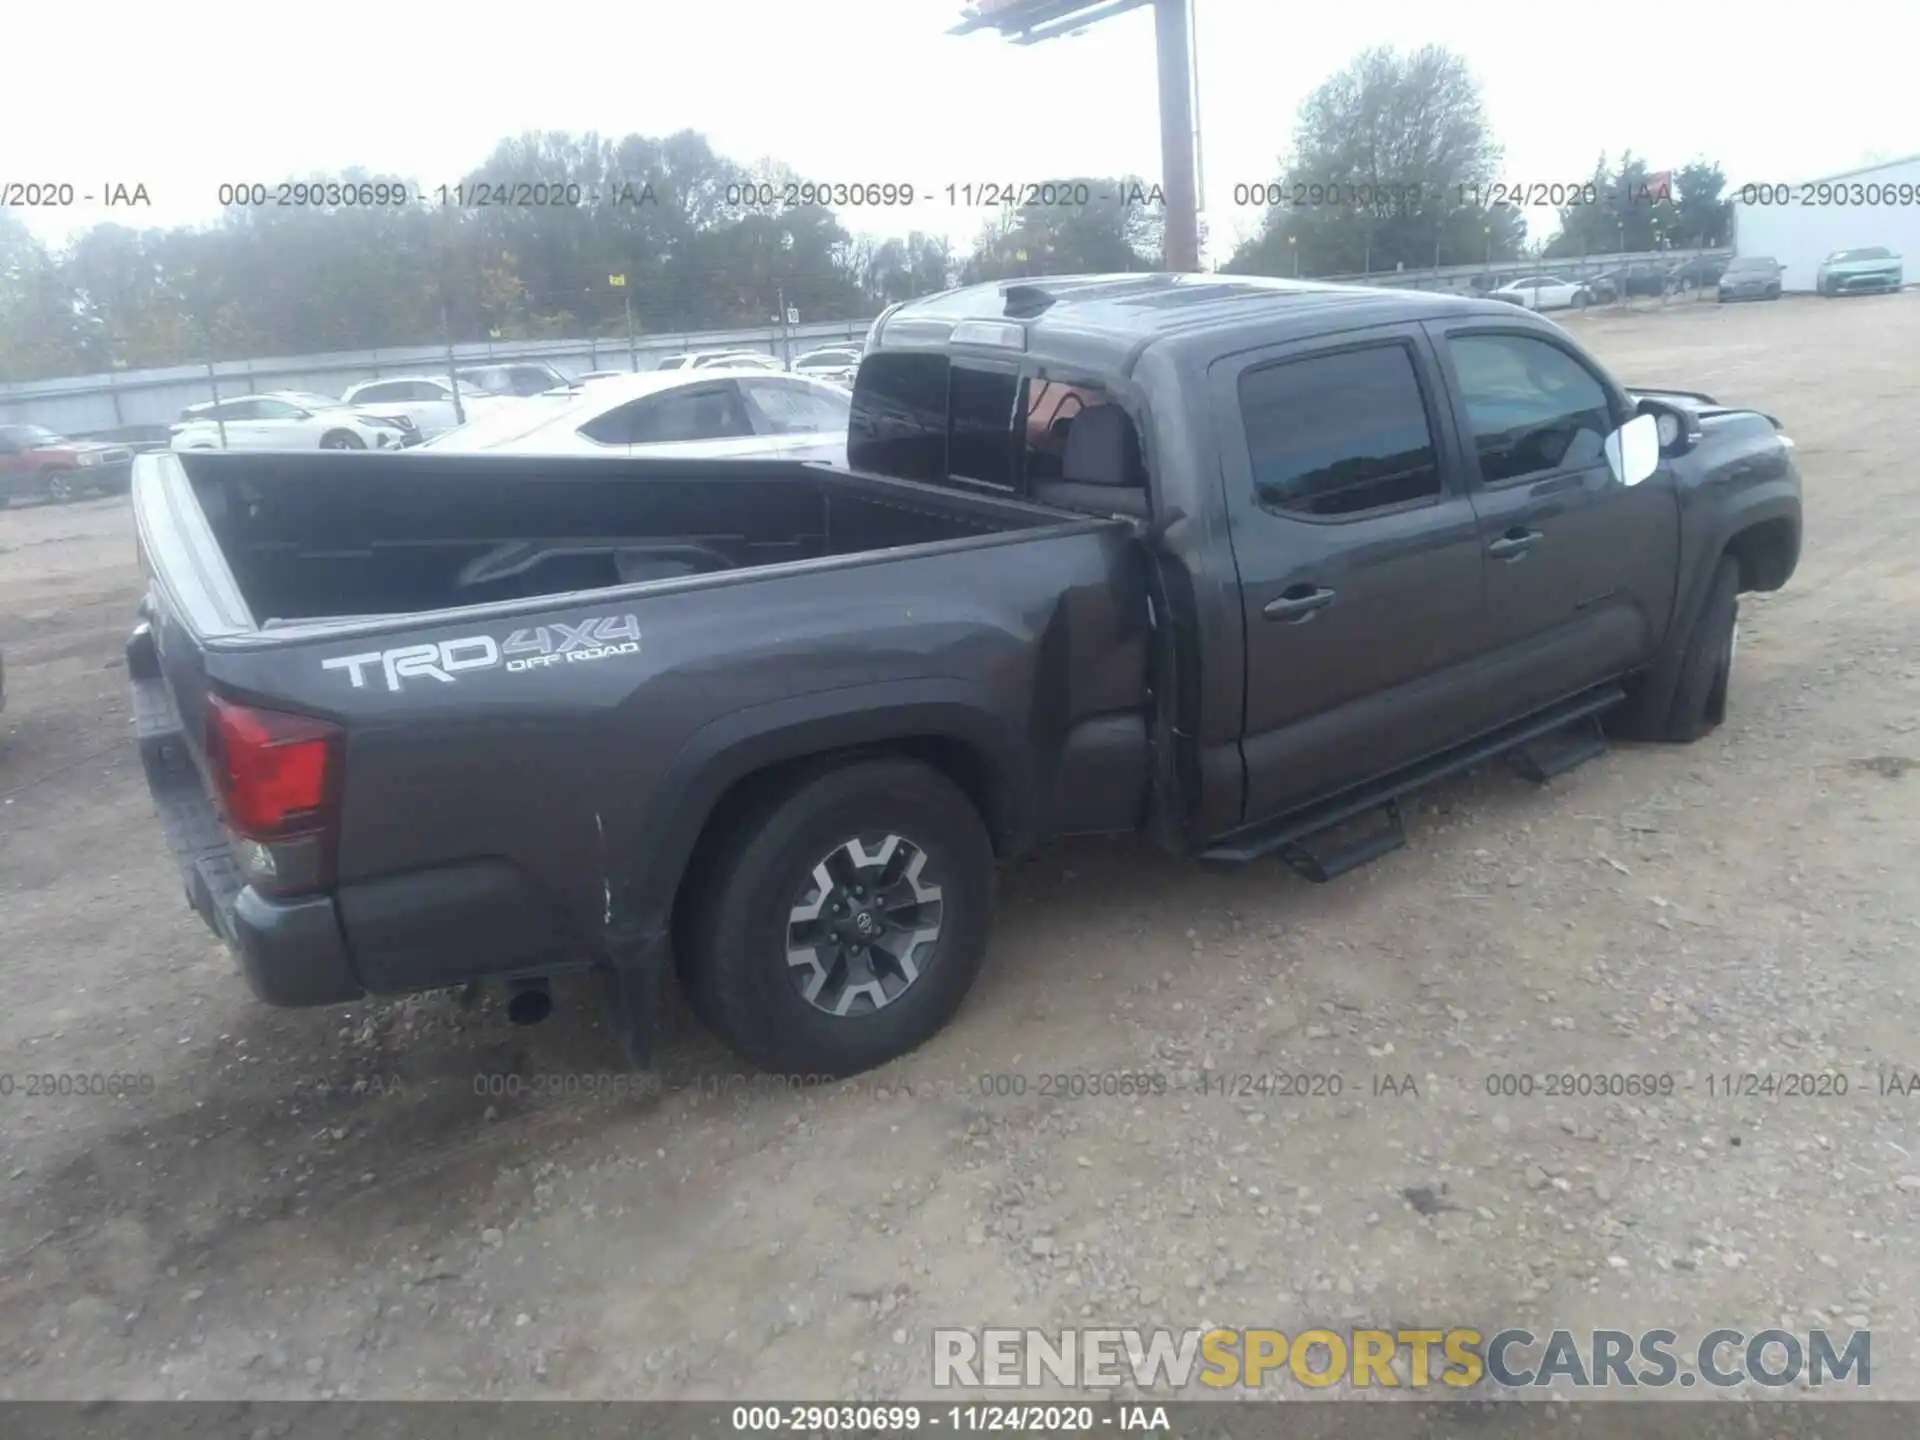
(929, 885)
(741, 768)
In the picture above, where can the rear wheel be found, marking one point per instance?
(342, 440)
(842, 921)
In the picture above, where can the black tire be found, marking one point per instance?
(1698, 702)
(1774, 293)
(1700, 697)
(736, 927)
(342, 440)
(59, 485)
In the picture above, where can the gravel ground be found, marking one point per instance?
(308, 1204)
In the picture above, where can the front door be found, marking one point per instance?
(798, 421)
(1358, 557)
(1580, 567)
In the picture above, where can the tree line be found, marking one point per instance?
(1392, 165)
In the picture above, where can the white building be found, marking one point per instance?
(1800, 225)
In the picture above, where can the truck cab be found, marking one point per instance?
(1386, 524)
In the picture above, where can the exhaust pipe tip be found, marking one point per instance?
(530, 1003)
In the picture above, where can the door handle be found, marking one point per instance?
(1515, 543)
(1297, 603)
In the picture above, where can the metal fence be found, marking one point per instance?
(1461, 279)
(127, 402)
(137, 404)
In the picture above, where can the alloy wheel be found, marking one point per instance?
(862, 925)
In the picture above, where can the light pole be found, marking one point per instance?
(1028, 21)
(619, 282)
(1176, 134)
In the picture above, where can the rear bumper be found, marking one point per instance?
(292, 951)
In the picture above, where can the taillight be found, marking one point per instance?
(277, 782)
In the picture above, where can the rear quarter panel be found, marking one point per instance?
(594, 776)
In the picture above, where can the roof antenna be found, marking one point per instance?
(1024, 302)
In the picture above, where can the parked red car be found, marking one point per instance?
(35, 461)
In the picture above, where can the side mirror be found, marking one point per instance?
(1633, 451)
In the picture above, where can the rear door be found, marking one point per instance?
(1359, 560)
(247, 426)
(1580, 568)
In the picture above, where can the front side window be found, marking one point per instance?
(375, 394)
(1339, 436)
(794, 409)
(1532, 407)
(275, 410)
(715, 413)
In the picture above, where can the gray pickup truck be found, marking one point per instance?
(1234, 562)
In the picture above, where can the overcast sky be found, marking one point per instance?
(183, 97)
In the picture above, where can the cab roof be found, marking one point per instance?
(1073, 315)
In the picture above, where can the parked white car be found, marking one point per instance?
(836, 364)
(512, 377)
(698, 414)
(288, 420)
(424, 399)
(722, 359)
(1544, 292)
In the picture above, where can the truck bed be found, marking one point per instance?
(544, 675)
(337, 535)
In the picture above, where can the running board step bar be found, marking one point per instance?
(1291, 832)
(1579, 743)
(1320, 867)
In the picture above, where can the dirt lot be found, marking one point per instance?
(300, 1204)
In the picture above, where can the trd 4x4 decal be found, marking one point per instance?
(595, 638)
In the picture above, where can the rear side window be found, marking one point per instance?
(1339, 436)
